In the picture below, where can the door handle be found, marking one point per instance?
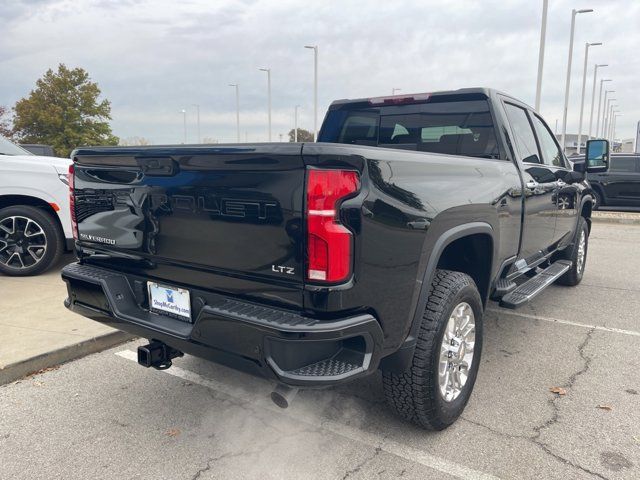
(532, 184)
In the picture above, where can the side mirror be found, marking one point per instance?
(597, 156)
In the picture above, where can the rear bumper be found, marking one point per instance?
(268, 342)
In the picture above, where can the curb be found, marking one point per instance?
(621, 220)
(14, 371)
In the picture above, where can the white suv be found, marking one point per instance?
(35, 222)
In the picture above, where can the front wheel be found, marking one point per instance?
(437, 386)
(577, 253)
(30, 240)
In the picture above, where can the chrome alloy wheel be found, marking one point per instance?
(456, 351)
(23, 242)
(582, 251)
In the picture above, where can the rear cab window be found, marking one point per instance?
(459, 126)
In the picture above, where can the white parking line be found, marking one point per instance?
(260, 398)
(601, 328)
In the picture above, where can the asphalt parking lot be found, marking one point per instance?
(103, 416)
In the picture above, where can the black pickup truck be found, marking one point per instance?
(318, 263)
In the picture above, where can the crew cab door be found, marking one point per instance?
(622, 182)
(540, 186)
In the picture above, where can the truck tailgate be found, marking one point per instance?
(233, 211)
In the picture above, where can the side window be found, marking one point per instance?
(360, 128)
(623, 164)
(524, 137)
(551, 154)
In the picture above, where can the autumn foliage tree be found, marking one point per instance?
(5, 123)
(64, 110)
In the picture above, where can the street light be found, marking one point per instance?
(600, 105)
(184, 123)
(268, 70)
(315, 89)
(237, 109)
(394, 90)
(584, 84)
(604, 110)
(613, 135)
(543, 34)
(607, 116)
(605, 132)
(610, 125)
(198, 119)
(574, 12)
(593, 96)
(295, 123)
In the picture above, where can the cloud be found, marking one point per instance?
(154, 58)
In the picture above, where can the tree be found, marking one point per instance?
(64, 111)
(303, 135)
(5, 122)
(134, 142)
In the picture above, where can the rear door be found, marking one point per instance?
(622, 181)
(215, 218)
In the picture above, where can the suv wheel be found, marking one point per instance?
(597, 200)
(30, 240)
(577, 253)
(437, 386)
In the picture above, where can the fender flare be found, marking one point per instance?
(401, 358)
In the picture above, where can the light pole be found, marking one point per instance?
(198, 118)
(394, 90)
(605, 106)
(610, 120)
(543, 35)
(600, 105)
(315, 90)
(268, 70)
(237, 109)
(184, 125)
(584, 84)
(607, 117)
(613, 132)
(593, 95)
(574, 12)
(295, 123)
(605, 132)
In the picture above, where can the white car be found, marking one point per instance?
(35, 221)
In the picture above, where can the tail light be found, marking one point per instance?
(329, 244)
(72, 202)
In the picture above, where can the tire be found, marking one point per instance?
(416, 394)
(574, 275)
(598, 202)
(22, 230)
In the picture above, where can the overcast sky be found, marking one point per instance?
(153, 58)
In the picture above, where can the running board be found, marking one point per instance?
(537, 284)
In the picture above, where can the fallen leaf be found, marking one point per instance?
(605, 407)
(172, 432)
(558, 390)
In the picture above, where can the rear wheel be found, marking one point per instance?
(437, 386)
(577, 253)
(30, 240)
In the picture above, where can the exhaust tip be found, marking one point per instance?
(283, 395)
